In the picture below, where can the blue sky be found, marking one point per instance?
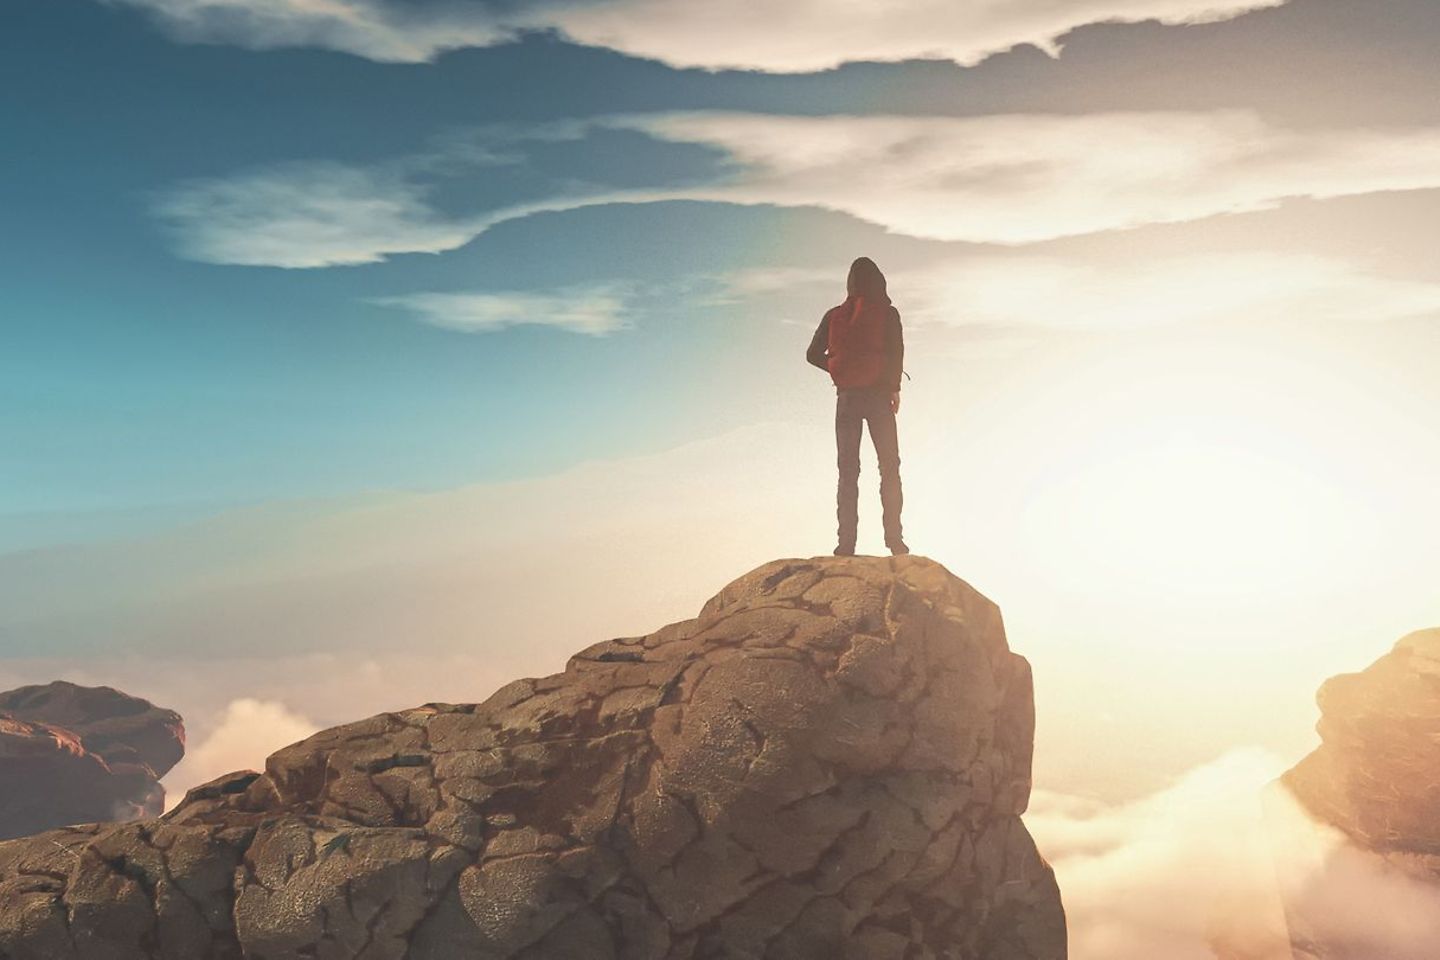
(171, 345)
(138, 378)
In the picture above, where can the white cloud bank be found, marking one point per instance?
(1018, 179)
(247, 731)
(1207, 868)
(1001, 180)
(306, 215)
(596, 311)
(794, 36)
(1170, 874)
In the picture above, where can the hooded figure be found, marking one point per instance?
(861, 345)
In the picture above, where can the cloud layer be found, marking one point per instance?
(247, 731)
(306, 215)
(1207, 867)
(800, 36)
(1250, 287)
(375, 29)
(591, 310)
(1025, 178)
(1006, 180)
(1050, 292)
(1170, 874)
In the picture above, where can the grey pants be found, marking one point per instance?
(854, 409)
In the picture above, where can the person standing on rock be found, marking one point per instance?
(861, 345)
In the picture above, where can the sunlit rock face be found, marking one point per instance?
(1369, 887)
(830, 761)
(71, 754)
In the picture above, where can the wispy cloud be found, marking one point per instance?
(1036, 292)
(306, 215)
(817, 34)
(591, 310)
(798, 36)
(1010, 180)
(1249, 287)
(1025, 178)
(382, 30)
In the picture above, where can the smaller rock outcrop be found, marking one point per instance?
(72, 754)
(1366, 884)
(1375, 773)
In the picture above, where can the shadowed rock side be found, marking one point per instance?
(71, 754)
(830, 761)
(1376, 779)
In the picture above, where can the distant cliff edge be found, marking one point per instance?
(1374, 783)
(72, 754)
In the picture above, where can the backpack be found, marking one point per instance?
(856, 348)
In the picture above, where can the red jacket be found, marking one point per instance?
(860, 344)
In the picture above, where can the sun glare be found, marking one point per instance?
(1191, 516)
(1186, 479)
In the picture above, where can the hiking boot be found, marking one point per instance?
(898, 548)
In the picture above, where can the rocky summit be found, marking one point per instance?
(72, 754)
(830, 761)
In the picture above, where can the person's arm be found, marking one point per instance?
(819, 344)
(894, 352)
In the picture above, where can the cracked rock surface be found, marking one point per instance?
(830, 761)
(72, 754)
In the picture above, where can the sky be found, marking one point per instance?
(337, 331)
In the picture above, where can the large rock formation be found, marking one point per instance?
(1366, 884)
(71, 754)
(830, 761)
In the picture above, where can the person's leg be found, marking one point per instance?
(885, 436)
(849, 420)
